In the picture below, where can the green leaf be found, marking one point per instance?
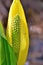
(1, 29)
(7, 55)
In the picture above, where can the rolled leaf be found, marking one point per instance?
(7, 55)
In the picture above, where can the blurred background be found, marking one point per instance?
(34, 15)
